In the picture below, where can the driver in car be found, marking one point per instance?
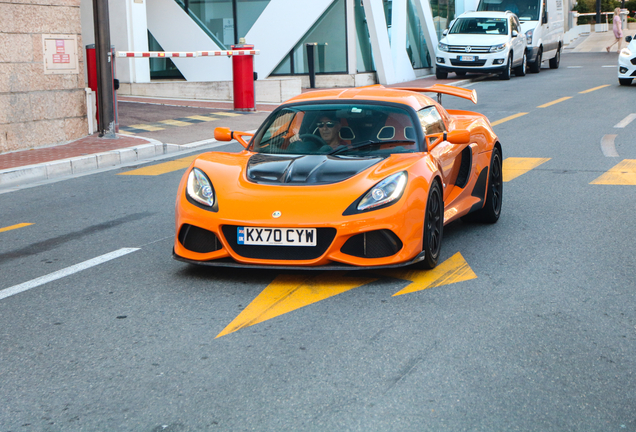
(328, 126)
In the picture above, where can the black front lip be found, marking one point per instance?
(225, 262)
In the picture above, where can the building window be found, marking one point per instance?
(161, 68)
(331, 53)
(415, 41)
(443, 14)
(364, 52)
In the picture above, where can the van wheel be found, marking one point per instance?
(521, 70)
(536, 66)
(554, 62)
(441, 75)
(505, 75)
(625, 81)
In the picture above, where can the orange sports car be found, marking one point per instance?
(347, 179)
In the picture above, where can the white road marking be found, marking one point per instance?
(575, 67)
(607, 146)
(627, 120)
(16, 289)
(610, 66)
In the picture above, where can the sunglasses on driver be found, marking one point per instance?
(329, 124)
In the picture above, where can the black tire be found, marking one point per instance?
(554, 61)
(505, 75)
(441, 75)
(492, 208)
(433, 227)
(535, 67)
(460, 74)
(521, 70)
(625, 81)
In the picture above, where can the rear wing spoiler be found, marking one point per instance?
(441, 89)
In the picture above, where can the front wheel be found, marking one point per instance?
(554, 62)
(521, 70)
(625, 81)
(505, 75)
(433, 227)
(536, 66)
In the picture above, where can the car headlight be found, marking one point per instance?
(498, 48)
(529, 34)
(199, 188)
(385, 192)
(442, 47)
(626, 52)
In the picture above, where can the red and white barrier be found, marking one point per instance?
(161, 54)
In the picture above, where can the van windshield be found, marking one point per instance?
(494, 26)
(526, 10)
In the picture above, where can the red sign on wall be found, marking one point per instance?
(59, 45)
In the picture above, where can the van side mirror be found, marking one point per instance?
(514, 33)
(545, 18)
(628, 39)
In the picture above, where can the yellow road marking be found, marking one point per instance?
(175, 123)
(622, 174)
(514, 167)
(453, 270)
(121, 131)
(12, 227)
(228, 114)
(146, 127)
(503, 120)
(595, 88)
(203, 118)
(554, 102)
(290, 292)
(163, 168)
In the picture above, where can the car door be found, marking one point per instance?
(445, 153)
(518, 47)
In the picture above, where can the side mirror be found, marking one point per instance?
(515, 34)
(445, 32)
(457, 136)
(545, 18)
(222, 134)
(225, 134)
(628, 39)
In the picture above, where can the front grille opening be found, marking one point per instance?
(198, 239)
(372, 244)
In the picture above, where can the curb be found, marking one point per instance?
(58, 169)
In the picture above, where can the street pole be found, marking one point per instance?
(598, 12)
(104, 70)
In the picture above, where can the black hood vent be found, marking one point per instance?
(305, 170)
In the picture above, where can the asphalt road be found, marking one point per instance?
(542, 338)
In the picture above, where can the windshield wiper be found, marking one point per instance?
(362, 144)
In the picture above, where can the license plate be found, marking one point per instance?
(467, 58)
(276, 236)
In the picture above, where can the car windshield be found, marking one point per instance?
(342, 129)
(493, 26)
(526, 10)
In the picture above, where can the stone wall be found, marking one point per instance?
(38, 109)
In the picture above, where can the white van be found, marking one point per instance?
(541, 21)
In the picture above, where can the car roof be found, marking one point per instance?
(485, 14)
(376, 93)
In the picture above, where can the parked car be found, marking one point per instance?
(627, 62)
(541, 22)
(482, 42)
(344, 178)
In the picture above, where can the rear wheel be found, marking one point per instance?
(505, 75)
(433, 227)
(535, 67)
(554, 62)
(625, 81)
(441, 75)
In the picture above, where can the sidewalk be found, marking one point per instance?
(92, 153)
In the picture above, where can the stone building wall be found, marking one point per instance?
(38, 109)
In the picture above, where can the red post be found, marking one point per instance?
(243, 76)
(91, 71)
